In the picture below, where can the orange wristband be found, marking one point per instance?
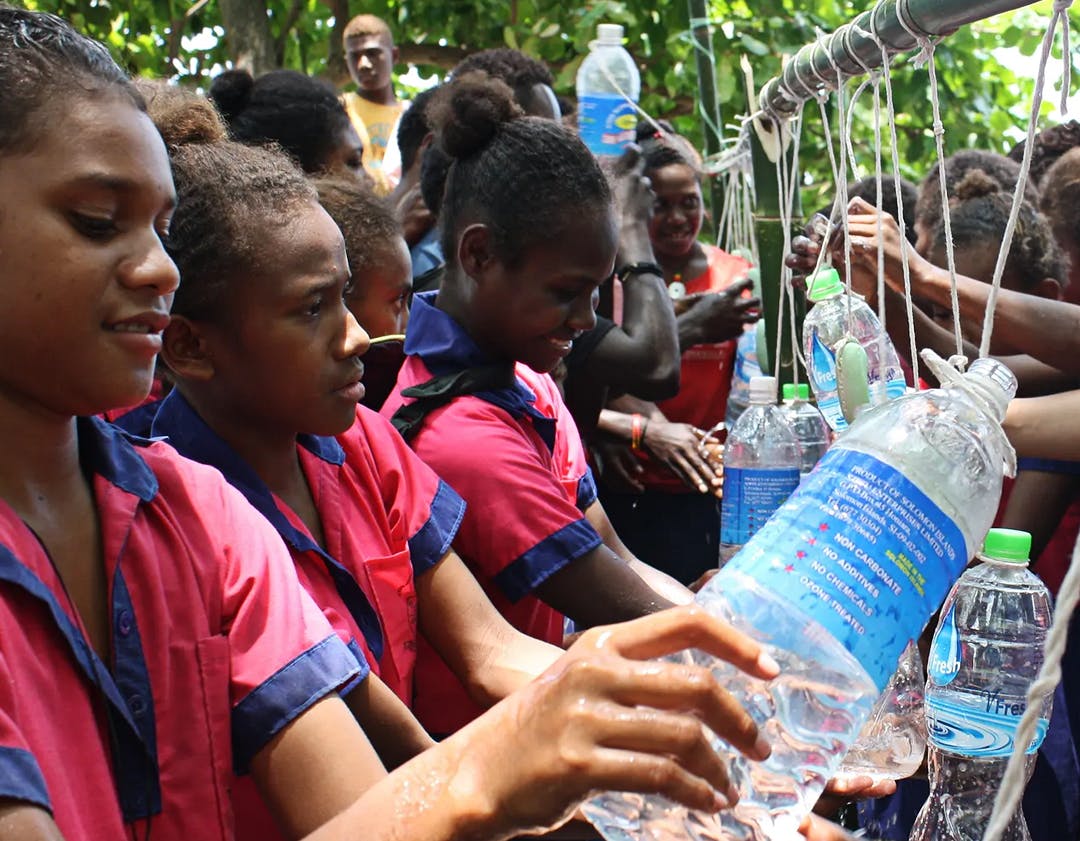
(635, 432)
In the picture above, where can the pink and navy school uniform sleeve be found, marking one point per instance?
(214, 648)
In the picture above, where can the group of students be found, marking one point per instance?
(221, 634)
(330, 604)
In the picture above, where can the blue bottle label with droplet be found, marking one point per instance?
(607, 122)
(862, 551)
(977, 724)
(823, 365)
(944, 663)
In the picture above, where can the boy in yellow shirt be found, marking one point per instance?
(374, 109)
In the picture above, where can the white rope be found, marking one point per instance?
(895, 154)
(789, 208)
(1014, 780)
(712, 121)
(927, 51)
(1061, 9)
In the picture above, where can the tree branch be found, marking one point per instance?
(295, 10)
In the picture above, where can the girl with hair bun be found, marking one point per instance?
(266, 356)
(529, 233)
(300, 114)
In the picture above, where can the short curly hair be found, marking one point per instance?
(1050, 144)
(366, 220)
(521, 72)
(227, 195)
(979, 213)
(301, 115)
(1061, 199)
(928, 210)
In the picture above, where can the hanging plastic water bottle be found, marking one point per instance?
(985, 655)
(845, 573)
(608, 87)
(761, 467)
(892, 742)
(826, 326)
(811, 429)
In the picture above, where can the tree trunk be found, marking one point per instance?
(247, 35)
(336, 70)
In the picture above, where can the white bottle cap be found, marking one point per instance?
(609, 34)
(763, 389)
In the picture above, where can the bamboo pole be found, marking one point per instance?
(708, 99)
(852, 52)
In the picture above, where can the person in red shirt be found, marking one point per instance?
(664, 504)
(520, 286)
(266, 362)
(154, 639)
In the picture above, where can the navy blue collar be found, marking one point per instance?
(445, 348)
(193, 438)
(110, 452)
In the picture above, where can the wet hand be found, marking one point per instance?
(845, 789)
(618, 466)
(678, 445)
(605, 717)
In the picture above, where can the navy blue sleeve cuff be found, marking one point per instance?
(547, 557)
(361, 676)
(586, 491)
(428, 546)
(286, 694)
(1049, 465)
(21, 778)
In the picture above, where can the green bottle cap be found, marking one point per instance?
(825, 284)
(804, 391)
(1007, 545)
(789, 391)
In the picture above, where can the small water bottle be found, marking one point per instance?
(811, 429)
(892, 742)
(745, 367)
(835, 585)
(834, 318)
(761, 467)
(986, 653)
(608, 88)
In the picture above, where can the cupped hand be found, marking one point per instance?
(819, 829)
(606, 717)
(678, 445)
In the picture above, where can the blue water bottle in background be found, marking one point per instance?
(608, 88)
(761, 467)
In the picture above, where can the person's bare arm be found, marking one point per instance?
(604, 717)
(489, 655)
(390, 726)
(22, 821)
(641, 355)
(659, 581)
(315, 767)
(1045, 427)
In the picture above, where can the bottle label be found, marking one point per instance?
(606, 122)
(751, 497)
(978, 725)
(863, 552)
(822, 374)
(944, 663)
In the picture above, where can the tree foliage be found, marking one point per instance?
(982, 99)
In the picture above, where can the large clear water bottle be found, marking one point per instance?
(892, 742)
(986, 652)
(811, 428)
(761, 467)
(834, 316)
(608, 88)
(846, 572)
